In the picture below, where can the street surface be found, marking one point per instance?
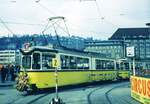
(112, 93)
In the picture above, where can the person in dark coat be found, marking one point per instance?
(12, 72)
(17, 69)
(3, 74)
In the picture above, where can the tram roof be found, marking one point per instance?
(60, 50)
(37, 48)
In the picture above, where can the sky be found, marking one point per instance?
(85, 18)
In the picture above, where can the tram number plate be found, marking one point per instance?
(55, 62)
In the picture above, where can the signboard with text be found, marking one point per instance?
(55, 62)
(130, 51)
(140, 89)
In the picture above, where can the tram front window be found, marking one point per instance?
(26, 62)
(36, 61)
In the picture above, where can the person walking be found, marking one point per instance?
(12, 72)
(3, 74)
(0, 73)
(17, 70)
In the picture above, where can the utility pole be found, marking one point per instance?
(56, 65)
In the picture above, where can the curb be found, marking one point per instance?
(7, 84)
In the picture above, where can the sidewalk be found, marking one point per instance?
(7, 83)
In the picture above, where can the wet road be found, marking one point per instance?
(112, 93)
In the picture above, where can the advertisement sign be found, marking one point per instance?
(140, 89)
(130, 51)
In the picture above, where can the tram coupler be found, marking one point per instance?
(56, 101)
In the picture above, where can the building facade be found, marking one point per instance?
(9, 57)
(113, 49)
(139, 38)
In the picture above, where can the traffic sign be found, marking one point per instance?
(130, 51)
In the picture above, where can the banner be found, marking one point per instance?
(140, 89)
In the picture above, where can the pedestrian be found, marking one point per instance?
(0, 73)
(6, 73)
(3, 74)
(17, 69)
(12, 72)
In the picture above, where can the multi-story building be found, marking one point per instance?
(116, 46)
(139, 38)
(113, 49)
(9, 57)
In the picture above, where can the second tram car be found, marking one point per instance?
(75, 67)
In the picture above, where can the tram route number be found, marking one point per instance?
(55, 62)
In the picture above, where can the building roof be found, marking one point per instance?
(65, 50)
(130, 33)
(103, 43)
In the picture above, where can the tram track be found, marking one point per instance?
(93, 95)
(89, 95)
(35, 100)
(89, 100)
(15, 100)
(24, 98)
(106, 94)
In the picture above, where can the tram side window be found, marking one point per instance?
(104, 64)
(123, 66)
(99, 64)
(82, 63)
(26, 62)
(110, 65)
(68, 62)
(36, 61)
(47, 61)
(127, 66)
(72, 62)
(65, 62)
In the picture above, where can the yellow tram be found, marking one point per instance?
(74, 67)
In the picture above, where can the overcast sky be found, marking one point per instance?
(85, 18)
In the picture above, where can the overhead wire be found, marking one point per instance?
(47, 27)
(1, 20)
(44, 7)
(15, 39)
(67, 28)
(58, 25)
(21, 23)
(103, 18)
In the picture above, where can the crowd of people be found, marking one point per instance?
(9, 72)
